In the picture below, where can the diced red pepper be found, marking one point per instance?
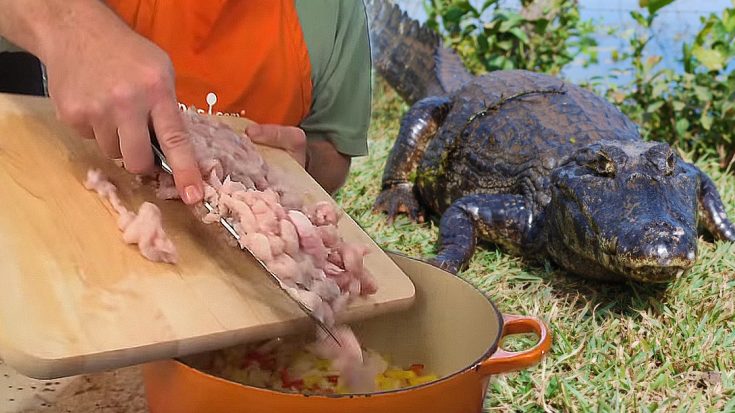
(333, 379)
(284, 378)
(417, 368)
(265, 361)
(288, 383)
(268, 364)
(249, 359)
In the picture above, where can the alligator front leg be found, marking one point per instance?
(418, 127)
(501, 219)
(712, 211)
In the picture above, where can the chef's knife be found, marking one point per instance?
(160, 159)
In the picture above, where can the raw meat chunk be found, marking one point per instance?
(322, 213)
(144, 228)
(298, 242)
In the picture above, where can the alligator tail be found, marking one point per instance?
(410, 56)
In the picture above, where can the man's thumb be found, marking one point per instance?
(176, 145)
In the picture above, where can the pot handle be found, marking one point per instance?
(503, 361)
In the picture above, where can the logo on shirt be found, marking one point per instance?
(211, 100)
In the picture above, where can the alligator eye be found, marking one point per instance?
(670, 164)
(602, 165)
(663, 158)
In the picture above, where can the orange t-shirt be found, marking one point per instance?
(250, 54)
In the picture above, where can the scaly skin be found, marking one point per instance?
(418, 128)
(539, 167)
(558, 173)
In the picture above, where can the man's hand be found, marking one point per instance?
(289, 138)
(107, 82)
(320, 158)
(327, 165)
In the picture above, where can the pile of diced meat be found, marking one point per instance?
(303, 248)
(144, 228)
(299, 243)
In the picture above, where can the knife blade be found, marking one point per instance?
(161, 161)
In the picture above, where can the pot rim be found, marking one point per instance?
(472, 366)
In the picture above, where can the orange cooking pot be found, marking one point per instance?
(452, 329)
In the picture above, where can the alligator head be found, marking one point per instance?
(624, 209)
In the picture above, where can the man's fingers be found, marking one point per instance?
(107, 139)
(176, 145)
(288, 138)
(73, 116)
(86, 132)
(274, 135)
(135, 144)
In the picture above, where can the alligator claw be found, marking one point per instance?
(446, 265)
(399, 199)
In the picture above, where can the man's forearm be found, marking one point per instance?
(37, 25)
(327, 166)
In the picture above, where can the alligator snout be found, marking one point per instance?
(658, 250)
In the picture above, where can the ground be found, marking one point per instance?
(616, 347)
(118, 391)
(619, 347)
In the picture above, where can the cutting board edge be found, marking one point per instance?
(47, 368)
(45, 365)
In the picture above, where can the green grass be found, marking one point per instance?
(616, 347)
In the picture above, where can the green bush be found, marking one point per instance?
(693, 110)
(544, 35)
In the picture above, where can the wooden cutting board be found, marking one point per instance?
(74, 298)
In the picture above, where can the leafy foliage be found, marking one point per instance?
(616, 348)
(654, 5)
(543, 36)
(695, 109)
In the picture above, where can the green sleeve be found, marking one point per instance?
(336, 36)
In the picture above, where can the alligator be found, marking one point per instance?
(537, 166)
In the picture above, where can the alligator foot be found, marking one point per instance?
(399, 199)
(448, 265)
(500, 219)
(712, 211)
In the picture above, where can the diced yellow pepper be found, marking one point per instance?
(400, 374)
(422, 379)
(387, 383)
(323, 364)
(312, 380)
(302, 355)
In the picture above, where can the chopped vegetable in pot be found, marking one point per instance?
(292, 366)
